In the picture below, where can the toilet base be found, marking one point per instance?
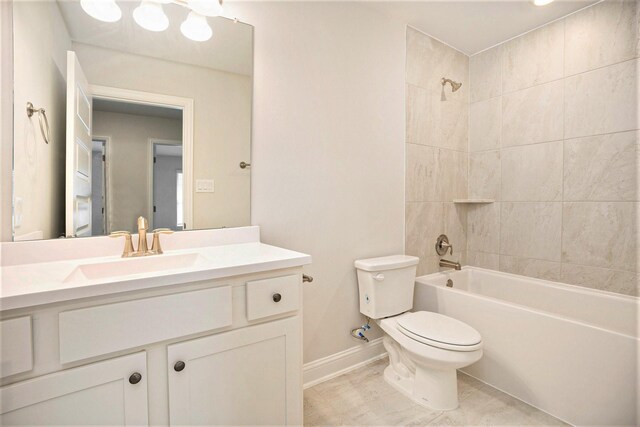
(432, 389)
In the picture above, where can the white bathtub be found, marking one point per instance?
(568, 350)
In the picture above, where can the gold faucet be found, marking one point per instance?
(143, 224)
(143, 249)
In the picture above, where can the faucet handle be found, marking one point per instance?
(128, 244)
(443, 246)
(163, 231)
(155, 245)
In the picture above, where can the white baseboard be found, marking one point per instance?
(340, 363)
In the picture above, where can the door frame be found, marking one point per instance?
(150, 145)
(161, 100)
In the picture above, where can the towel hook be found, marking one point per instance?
(42, 120)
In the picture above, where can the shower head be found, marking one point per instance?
(454, 86)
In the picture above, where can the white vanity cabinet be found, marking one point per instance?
(250, 376)
(112, 392)
(220, 352)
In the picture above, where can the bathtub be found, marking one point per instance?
(567, 350)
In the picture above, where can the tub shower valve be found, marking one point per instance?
(443, 245)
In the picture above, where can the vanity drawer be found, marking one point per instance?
(95, 331)
(273, 296)
(16, 347)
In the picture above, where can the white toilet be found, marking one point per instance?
(425, 348)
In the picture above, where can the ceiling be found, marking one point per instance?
(110, 106)
(475, 25)
(230, 49)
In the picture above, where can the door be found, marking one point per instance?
(250, 376)
(78, 151)
(103, 393)
(166, 184)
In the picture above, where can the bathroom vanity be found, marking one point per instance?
(195, 336)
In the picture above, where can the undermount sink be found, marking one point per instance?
(130, 266)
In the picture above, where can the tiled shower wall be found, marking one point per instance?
(436, 149)
(553, 139)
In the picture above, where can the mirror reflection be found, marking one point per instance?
(127, 120)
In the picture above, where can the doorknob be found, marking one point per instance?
(244, 165)
(135, 378)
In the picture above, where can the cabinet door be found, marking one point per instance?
(251, 376)
(102, 393)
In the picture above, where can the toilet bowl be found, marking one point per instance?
(425, 348)
(424, 368)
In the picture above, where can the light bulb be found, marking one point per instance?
(542, 2)
(102, 10)
(205, 7)
(150, 16)
(196, 28)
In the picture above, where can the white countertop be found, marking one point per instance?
(39, 283)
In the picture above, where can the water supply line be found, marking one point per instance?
(358, 333)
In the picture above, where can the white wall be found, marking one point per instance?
(328, 148)
(128, 167)
(222, 123)
(6, 119)
(41, 42)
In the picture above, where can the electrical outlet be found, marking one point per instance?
(204, 186)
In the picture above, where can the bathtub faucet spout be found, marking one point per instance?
(450, 264)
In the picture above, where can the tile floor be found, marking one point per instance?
(363, 398)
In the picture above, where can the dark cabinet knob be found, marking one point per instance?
(135, 378)
(277, 297)
(179, 366)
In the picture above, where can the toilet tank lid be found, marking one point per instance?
(386, 262)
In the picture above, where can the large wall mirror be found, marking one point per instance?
(145, 111)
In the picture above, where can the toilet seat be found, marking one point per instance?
(439, 331)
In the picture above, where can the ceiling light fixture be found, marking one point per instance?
(542, 2)
(196, 28)
(150, 15)
(102, 10)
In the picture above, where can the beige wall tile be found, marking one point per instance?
(421, 173)
(602, 101)
(455, 227)
(437, 123)
(483, 228)
(485, 121)
(532, 115)
(428, 265)
(484, 175)
(423, 224)
(532, 172)
(547, 270)
(486, 74)
(602, 167)
(531, 230)
(434, 174)
(483, 260)
(534, 58)
(601, 35)
(417, 107)
(622, 282)
(600, 234)
(428, 60)
(452, 175)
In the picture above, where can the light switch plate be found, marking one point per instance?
(204, 186)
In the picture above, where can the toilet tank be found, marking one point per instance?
(386, 285)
